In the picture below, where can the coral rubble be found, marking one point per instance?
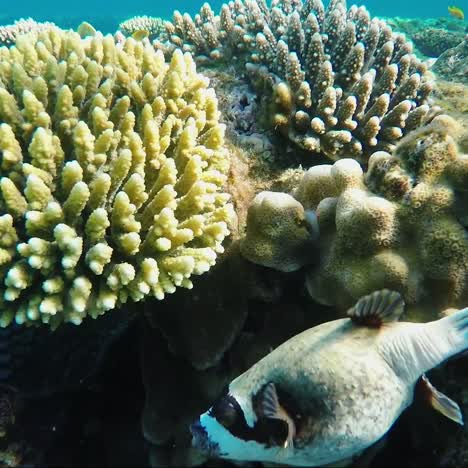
(113, 163)
(334, 81)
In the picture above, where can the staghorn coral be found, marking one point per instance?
(396, 226)
(112, 163)
(154, 26)
(9, 33)
(334, 80)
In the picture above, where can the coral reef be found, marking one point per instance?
(399, 226)
(452, 97)
(113, 164)
(431, 36)
(452, 65)
(433, 42)
(9, 33)
(413, 25)
(334, 81)
(154, 26)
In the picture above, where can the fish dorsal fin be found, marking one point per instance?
(440, 402)
(377, 308)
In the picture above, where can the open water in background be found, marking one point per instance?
(106, 14)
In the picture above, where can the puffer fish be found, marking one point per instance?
(140, 34)
(326, 395)
(456, 12)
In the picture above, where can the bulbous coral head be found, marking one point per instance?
(113, 163)
(280, 234)
(401, 226)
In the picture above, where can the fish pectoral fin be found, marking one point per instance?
(269, 403)
(269, 407)
(377, 308)
(440, 402)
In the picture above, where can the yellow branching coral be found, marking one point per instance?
(112, 165)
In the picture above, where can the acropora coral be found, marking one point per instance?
(400, 225)
(113, 165)
(334, 80)
(153, 25)
(10, 32)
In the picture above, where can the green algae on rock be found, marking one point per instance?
(113, 167)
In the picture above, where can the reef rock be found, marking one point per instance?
(452, 65)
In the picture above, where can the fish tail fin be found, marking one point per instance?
(456, 329)
(446, 337)
(425, 345)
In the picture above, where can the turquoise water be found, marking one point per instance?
(106, 14)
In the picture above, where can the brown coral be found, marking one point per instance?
(400, 230)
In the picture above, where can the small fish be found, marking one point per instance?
(140, 34)
(456, 12)
(328, 394)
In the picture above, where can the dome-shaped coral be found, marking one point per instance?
(278, 233)
(112, 163)
(400, 230)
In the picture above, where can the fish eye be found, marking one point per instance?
(225, 412)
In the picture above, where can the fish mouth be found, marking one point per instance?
(201, 440)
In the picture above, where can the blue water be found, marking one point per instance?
(106, 14)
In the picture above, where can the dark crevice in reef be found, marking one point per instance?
(96, 424)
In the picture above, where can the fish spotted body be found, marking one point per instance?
(337, 387)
